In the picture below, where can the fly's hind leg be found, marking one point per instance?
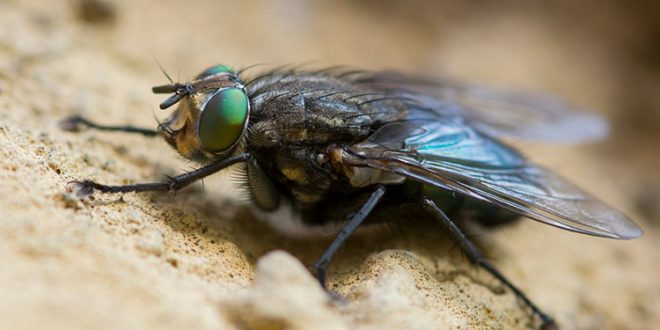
(75, 123)
(477, 258)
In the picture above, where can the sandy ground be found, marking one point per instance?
(202, 261)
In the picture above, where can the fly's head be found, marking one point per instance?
(212, 114)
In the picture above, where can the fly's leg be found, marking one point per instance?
(87, 187)
(75, 122)
(354, 221)
(478, 259)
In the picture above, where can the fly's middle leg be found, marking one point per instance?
(354, 221)
(476, 257)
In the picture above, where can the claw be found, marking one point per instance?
(319, 274)
(71, 123)
(82, 189)
(336, 298)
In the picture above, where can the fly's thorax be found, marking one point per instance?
(290, 136)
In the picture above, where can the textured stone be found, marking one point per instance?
(201, 261)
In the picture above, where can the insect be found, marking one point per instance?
(348, 147)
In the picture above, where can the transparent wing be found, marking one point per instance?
(498, 112)
(451, 155)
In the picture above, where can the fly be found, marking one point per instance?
(354, 147)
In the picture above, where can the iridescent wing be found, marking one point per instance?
(448, 153)
(494, 111)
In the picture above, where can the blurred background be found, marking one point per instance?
(169, 259)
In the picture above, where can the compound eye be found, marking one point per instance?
(222, 121)
(215, 70)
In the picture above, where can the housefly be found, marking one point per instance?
(348, 147)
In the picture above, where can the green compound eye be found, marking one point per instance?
(223, 119)
(215, 70)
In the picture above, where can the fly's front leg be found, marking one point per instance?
(87, 187)
(477, 258)
(354, 221)
(75, 123)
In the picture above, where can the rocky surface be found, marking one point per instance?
(200, 260)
